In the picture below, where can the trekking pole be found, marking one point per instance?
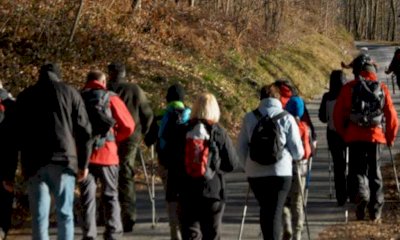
(244, 213)
(346, 173)
(395, 171)
(153, 191)
(308, 180)
(303, 200)
(330, 175)
(147, 178)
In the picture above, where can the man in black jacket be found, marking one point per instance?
(140, 109)
(51, 129)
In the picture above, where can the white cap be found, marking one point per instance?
(364, 50)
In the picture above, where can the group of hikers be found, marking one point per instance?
(62, 136)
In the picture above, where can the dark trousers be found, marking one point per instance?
(127, 152)
(201, 218)
(108, 176)
(271, 193)
(6, 201)
(364, 167)
(337, 147)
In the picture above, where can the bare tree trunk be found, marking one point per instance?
(191, 3)
(394, 23)
(78, 16)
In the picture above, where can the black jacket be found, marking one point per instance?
(50, 125)
(214, 188)
(137, 103)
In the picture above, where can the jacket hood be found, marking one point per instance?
(117, 72)
(49, 72)
(337, 80)
(270, 102)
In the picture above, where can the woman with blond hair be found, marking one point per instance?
(269, 171)
(209, 153)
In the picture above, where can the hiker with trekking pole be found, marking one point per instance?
(294, 210)
(336, 145)
(358, 116)
(269, 141)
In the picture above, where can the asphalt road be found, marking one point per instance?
(321, 209)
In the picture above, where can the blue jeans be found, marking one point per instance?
(60, 181)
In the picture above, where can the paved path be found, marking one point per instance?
(322, 210)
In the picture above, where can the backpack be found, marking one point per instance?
(172, 135)
(201, 152)
(305, 138)
(367, 103)
(359, 62)
(97, 102)
(2, 110)
(265, 146)
(330, 106)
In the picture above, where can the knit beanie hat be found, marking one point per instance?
(49, 71)
(295, 106)
(175, 93)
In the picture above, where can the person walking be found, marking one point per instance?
(358, 62)
(111, 123)
(336, 145)
(358, 116)
(293, 212)
(270, 177)
(164, 132)
(7, 103)
(208, 154)
(51, 129)
(140, 110)
(394, 66)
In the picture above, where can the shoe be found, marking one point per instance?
(128, 226)
(360, 210)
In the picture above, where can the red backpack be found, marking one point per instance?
(201, 152)
(305, 138)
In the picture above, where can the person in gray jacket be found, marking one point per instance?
(271, 183)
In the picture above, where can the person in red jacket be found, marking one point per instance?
(364, 142)
(104, 164)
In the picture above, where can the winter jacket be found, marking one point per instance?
(135, 99)
(350, 131)
(325, 112)
(290, 137)
(51, 125)
(123, 128)
(215, 188)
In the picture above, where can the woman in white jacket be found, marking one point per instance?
(271, 183)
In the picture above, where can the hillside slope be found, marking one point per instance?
(161, 46)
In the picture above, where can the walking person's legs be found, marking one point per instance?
(127, 152)
(6, 201)
(88, 206)
(376, 200)
(338, 151)
(211, 219)
(297, 209)
(271, 202)
(62, 185)
(39, 205)
(109, 182)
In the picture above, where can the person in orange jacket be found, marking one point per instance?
(364, 137)
(104, 161)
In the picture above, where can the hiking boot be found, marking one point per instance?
(128, 226)
(360, 210)
(287, 235)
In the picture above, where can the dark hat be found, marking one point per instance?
(175, 93)
(116, 67)
(51, 67)
(50, 71)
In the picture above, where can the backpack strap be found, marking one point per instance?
(279, 116)
(258, 114)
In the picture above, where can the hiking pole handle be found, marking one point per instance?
(395, 172)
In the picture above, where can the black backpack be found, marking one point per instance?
(368, 100)
(172, 136)
(97, 102)
(265, 147)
